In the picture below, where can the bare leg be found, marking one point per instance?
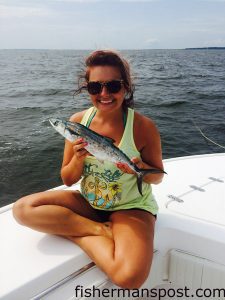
(124, 252)
(126, 258)
(59, 212)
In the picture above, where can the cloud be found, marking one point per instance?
(137, 1)
(213, 1)
(21, 12)
(77, 1)
(151, 41)
(215, 42)
(103, 1)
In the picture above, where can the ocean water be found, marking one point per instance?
(173, 87)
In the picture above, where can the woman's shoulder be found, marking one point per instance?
(144, 123)
(148, 141)
(78, 116)
(145, 131)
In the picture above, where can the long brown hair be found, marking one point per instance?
(109, 58)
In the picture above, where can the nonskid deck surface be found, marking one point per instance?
(189, 229)
(194, 187)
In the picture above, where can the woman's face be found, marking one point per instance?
(106, 101)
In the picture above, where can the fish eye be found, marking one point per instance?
(56, 123)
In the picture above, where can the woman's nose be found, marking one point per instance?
(104, 91)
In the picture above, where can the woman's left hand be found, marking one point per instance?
(126, 169)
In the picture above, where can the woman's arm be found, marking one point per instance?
(151, 152)
(148, 142)
(73, 158)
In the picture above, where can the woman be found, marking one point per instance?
(108, 219)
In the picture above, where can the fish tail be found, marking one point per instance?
(139, 182)
(142, 172)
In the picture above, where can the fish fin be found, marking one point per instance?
(142, 172)
(139, 182)
(148, 171)
(71, 131)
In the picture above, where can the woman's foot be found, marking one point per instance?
(108, 229)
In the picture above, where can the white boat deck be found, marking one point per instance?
(203, 194)
(191, 220)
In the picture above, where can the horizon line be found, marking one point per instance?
(123, 49)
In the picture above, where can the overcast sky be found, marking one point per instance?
(118, 24)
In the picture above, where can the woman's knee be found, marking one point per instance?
(21, 211)
(129, 276)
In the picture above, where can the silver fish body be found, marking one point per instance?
(99, 146)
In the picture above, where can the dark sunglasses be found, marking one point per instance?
(95, 87)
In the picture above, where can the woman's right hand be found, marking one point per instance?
(73, 161)
(78, 148)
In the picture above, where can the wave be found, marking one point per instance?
(173, 103)
(32, 109)
(206, 95)
(167, 77)
(41, 92)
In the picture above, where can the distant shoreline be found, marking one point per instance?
(206, 48)
(89, 50)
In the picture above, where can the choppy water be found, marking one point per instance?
(173, 87)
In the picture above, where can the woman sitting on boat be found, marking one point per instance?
(108, 218)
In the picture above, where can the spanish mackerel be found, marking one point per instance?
(99, 146)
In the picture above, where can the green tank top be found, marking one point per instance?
(105, 186)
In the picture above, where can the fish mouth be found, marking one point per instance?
(54, 122)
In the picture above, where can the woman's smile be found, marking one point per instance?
(106, 101)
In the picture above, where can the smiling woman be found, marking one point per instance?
(109, 214)
(118, 64)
